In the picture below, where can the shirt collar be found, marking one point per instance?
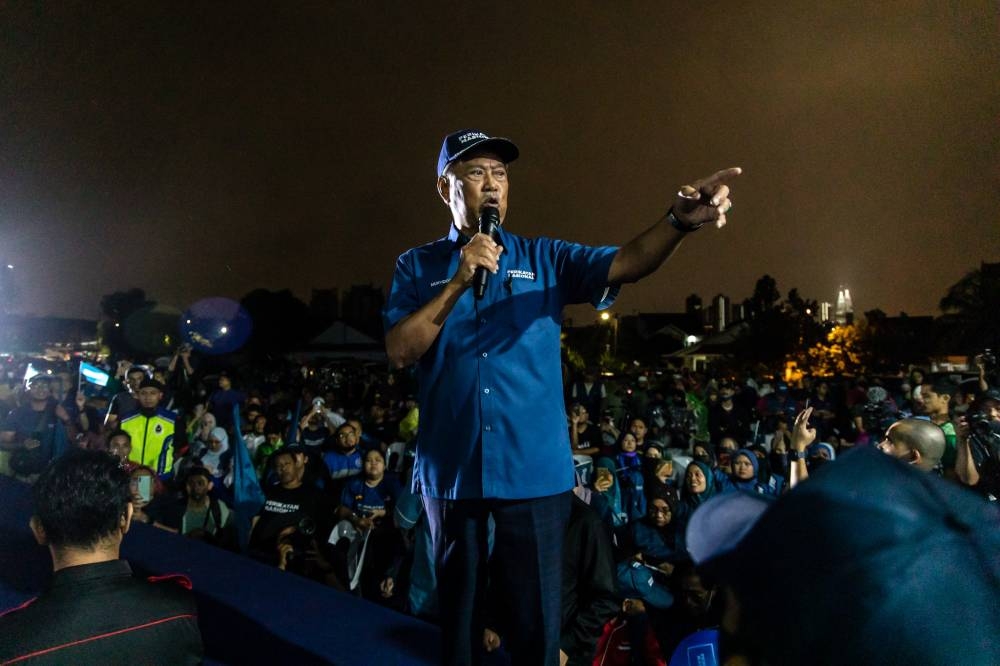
(459, 239)
(85, 572)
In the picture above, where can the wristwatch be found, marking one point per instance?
(680, 226)
(796, 455)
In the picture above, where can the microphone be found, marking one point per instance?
(489, 223)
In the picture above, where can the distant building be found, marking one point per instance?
(361, 307)
(693, 304)
(721, 313)
(739, 311)
(825, 310)
(845, 308)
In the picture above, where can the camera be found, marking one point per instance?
(301, 538)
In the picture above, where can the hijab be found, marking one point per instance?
(746, 484)
(694, 500)
(213, 459)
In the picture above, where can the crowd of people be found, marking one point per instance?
(332, 452)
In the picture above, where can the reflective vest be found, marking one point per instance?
(152, 439)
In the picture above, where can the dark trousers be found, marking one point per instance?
(524, 575)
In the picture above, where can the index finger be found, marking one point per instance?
(719, 177)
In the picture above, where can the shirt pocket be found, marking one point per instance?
(525, 305)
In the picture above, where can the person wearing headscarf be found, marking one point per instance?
(820, 453)
(697, 488)
(655, 540)
(605, 484)
(212, 458)
(744, 477)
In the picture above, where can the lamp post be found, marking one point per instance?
(611, 319)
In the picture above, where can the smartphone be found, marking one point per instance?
(144, 487)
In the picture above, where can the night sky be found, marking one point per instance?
(206, 149)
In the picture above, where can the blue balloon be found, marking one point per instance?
(216, 325)
(699, 649)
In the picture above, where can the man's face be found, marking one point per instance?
(259, 424)
(290, 467)
(133, 379)
(470, 185)
(638, 429)
(120, 446)
(40, 389)
(347, 438)
(149, 397)
(197, 487)
(224, 383)
(934, 403)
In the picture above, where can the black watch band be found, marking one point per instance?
(680, 226)
(796, 455)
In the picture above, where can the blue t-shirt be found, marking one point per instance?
(343, 465)
(492, 421)
(363, 499)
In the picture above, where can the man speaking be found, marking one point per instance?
(493, 438)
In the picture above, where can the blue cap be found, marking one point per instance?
(461, 142)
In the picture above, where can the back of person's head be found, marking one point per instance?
(82, 498)
(922, 436)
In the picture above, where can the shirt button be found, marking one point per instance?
(482, 321)
(485, 354)
(488, 428)
(486, 391)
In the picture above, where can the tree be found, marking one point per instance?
(843, 352)
(281, 322)
(116, 308)
(969, 320)
(765, 295)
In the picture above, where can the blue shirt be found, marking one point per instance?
(363, 500)
(342, 465)
(492, 420)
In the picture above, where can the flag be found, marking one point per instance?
(248, 498)
(91, 377)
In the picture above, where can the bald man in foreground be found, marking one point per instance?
(917, 442)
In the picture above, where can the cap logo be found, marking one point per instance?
(470, 136)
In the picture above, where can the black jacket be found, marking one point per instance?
(588, 586)
(102, 614)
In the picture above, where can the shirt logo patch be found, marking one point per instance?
(440, 282)
(519, 274)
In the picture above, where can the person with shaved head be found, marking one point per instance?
(917, 442)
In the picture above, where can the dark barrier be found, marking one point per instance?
(249, 613)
